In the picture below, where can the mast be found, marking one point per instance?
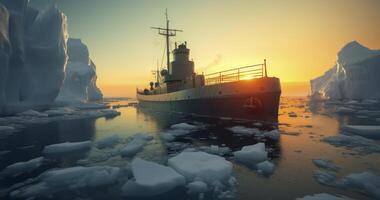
(167, 32)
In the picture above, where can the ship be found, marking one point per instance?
(239, 93)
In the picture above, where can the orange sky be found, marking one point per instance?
(299, 39)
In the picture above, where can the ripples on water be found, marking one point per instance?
(302, 127)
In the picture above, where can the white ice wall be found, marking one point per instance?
(356, 75)
(80, 75)
(32, 55)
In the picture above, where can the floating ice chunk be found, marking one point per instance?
(22, 167)
(110, 113)
(265, 168)
(178, 132)
(325, 178)
(244, 130)
(252, 154)
(344, 110)
(214, 149)
(60, 111)
(362, 130)
(68, 180)
(201, 166)
(135, 145)
(326, 164)
(167, 137)
(108, 142)
(258, 124)
(356, 142)
(197, 187)
(151, 179)
(273, 134)
(62, 149)
(32, 113)
(184, 126)
(323, 196)
(366, 182)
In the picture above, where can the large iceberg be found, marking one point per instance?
(80, 75)
(354, 76)
(32, 55)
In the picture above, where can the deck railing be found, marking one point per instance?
(237, 74)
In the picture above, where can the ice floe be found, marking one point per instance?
(357, 143)
(323, 196)
(32, 113)
(108, 142)
(365, 182)
(22, 167)
(184, 126)
(363, 130)
(136, 144)
(217, 150)
(251, 155)
(241, 130)
(325, 177)
(66, 148)
(344, 110)
(325, 164)
(201, 166)
(265, 168)
(71, 179)
(244, 130)
(151, 179)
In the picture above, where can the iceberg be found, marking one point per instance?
(33, 56)
(80, 75)
(354, 76)
(151, 179)
(71, 179)
(62, 149)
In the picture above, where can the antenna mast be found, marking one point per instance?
(167, 32)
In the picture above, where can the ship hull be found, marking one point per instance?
(251, 99)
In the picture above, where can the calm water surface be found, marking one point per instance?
(292, 154)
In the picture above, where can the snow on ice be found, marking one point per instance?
(151, 179)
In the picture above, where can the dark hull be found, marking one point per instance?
(260, 106)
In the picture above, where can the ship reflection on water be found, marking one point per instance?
(300, 142)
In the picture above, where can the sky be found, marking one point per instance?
(299, 38)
